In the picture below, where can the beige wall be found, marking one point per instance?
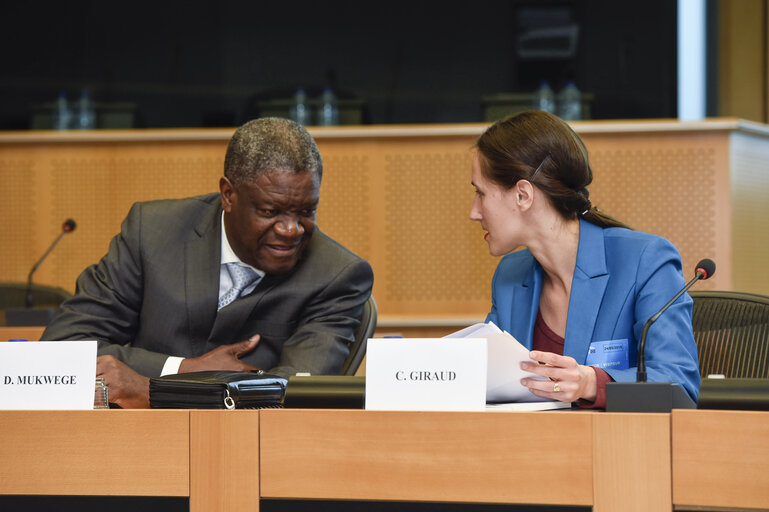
(743, 75)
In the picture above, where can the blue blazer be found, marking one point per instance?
(622, 277)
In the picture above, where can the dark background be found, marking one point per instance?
(205, 63)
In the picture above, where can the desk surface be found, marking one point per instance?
(32, 333)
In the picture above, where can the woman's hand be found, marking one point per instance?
(567, 380)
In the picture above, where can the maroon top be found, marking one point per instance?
(546, 340)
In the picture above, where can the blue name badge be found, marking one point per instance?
(608, 354)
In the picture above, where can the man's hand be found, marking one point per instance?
(222, 358)
(125, 387)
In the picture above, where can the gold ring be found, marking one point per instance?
(556, 388)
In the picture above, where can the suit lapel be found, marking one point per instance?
(587, 289)
(202, 255)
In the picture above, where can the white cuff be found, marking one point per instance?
(172, 365)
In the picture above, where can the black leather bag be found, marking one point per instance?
(217, 390)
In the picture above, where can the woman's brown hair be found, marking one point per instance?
(543, 149)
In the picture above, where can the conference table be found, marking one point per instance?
(229, 460)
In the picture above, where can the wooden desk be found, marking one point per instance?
(210, 456)
(720, 459)
(224, 461)
(610, 461)
(110, 453)
(21, 333)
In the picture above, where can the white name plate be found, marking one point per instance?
(47, 374)
(426, 374)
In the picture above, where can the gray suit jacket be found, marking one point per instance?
(155, 294)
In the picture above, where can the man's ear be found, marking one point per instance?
(524, 194)
(226, 191)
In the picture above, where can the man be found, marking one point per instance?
(187, 279)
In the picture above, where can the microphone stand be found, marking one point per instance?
(30, 298)
(641, 372)
(642, 396)
(30, 315)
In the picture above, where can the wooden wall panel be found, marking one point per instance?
(347, 191)
(408, 215)
(18, 211)
(673, 186)
(399, 197)
(95, 184)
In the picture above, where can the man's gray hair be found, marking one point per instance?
(270, 144)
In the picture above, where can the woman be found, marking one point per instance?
(582, 290)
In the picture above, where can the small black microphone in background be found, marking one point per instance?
(704, 270)
(68, 227)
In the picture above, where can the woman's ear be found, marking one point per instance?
(524, 194)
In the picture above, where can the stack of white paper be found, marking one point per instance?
(503, 378)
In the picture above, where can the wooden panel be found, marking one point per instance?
(224, 461)
(21, 333)
(94, 183)
(347, 191)
(397, 196)
(674, 186)
(427, 456)
(383, 195)
(631, 468)
(19, 209)
(109, 452)
(721, 458)
(429, 197)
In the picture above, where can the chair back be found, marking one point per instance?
(14, 295)
(365, 330)
(13, 303)
(731, 330)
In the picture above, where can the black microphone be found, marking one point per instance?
(704, 270)
(68, 227)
